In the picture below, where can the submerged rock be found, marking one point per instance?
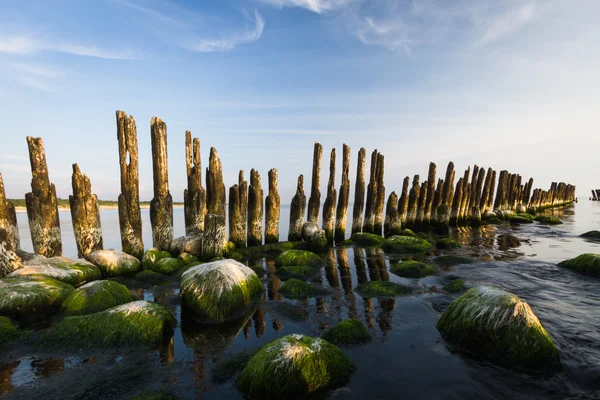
(586, 264)
(8, 332)
(521, 219)
(139, 323)
(72, 271)
(507, 241)
(36, 294)
(152, 256)
(413, 269)
(495, 324)
(115, 263)
(383, 289)
(347, 242)
(549, 220)
(94, 297)
(454, 286)
(406, 245)
(297, 258)
(449, 260)
(292, 367)
(594, 235)
(296, 288)
(298, 272)
(226, 369)
(151, 277)
(219, 291)
(446, 243)
(367, 239)
(348, 332)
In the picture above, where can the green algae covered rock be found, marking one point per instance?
(348, 332)
(73, 272)
(298, 272)
(412, 269)
(8, 332)
(139, 323)
(347, 242)
(115, 263)
(549, 220)
(188, 258)
(36, 294)
(167, 265)
(586, 264)
(94, 297)
(521, 219)
(295, 288)
(408, 232)
(219, 291)
(382, 289)
(293, 367)
(593, 235)
(406, 245)
(297, 258)
(495, 324)
(152, 256)
(366, 239)
(454, 286)
(446, 243)
(151, 277)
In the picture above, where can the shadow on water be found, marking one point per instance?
(407, 358)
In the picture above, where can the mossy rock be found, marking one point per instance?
(36, 294)
(152, 256)
(413, 269)
(152, 396)
(585, 264)
(8, 332)
(406, 245)
(593, 235)
(72, 271)
(383, 289)
(345, 243)
(490, 218)
(151, 277)
(298, 258)
(517, 219)
(548, 220)
(348, 332)
(94, 297)
(115, 263)
(446, 243)
(220, 291)
(188, 258)
(318, 240)
(139, 323)
(296, 288)
(495, 324)
(420, 235)
(297, 272)
(450, 260)
(294, 366)
(167, 265)
(367, 239)
(226, 369)
(454, 286)
(508, 241)
(409, 232)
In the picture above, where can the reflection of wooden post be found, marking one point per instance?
(314, 202)
(272, 209)
(255, 209)
(194, 197)
(297, 212)
(8, 219)
(392, 225)
(85, 214)
(42, 206)
(359, 192)
(161, 206)
(329, 204)
(342, 206)
(130, 219)
(215, 188)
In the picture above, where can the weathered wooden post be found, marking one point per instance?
(215, 188)
(413, 200)
(594, 195)
(369, 221)
(475, 209)
(499, 204)
(393, 224)
(297, 208)
(485, 195)
(431, 177)
(255, 209)
(490, 204)
(314, 202)
(85, 214)
(421, 206)
(130, 220)
(403, 202)
(329, 204)
(443, 210)
(464, 201)
(237, 228)
(8, 219)
(379, 196)
(213, 239)
(272, 210)
(359, 192)
(342, 206)
(194, 197)
(457, 203)
(42, 205)
(161, 206)
(597, 193)
(472, 192)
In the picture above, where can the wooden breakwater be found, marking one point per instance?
(437, 203)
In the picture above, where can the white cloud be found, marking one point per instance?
(507, 23)
(317, 6)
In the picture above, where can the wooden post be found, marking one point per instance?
(379, 196)
(237, 228)
(161, 206)
(594, 197)
(330, 200)
(194, 197)
(392, 225)
(314, 202)
(421, 206)
(485, 195)
(369, 222)
(464, 201)
(403, 202)
(130, 220)
(472, 192)
(431, 177)
(272, 210)
(413, 200)
(359, 192)
(213, 239)
(8, 219)
(215, 188)
(475, 209)
(297, 208)
(457, 203)
(490, 204)
(42, 205)
(342, 206)
(85, 214)
(255, 209)
(501, 191)
(443, 210)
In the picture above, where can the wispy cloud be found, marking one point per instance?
(40, 77)
(317, 6)
(507, 23)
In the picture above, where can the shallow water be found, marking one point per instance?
(407, 357)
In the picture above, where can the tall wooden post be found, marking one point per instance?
(8, 219)
(85, 214)
(486, 192)
(272, 209)
(379, 196)
(314, 202)
(330, 200)
(161, 206)
(393, 224)
(369, 221)
(403, 202)
(443, 210)
(413, 200)
(215, 188)
(342, 206)
(42, 205)
(431, 177)
(194, 197)
(490, 204)
(499, 204)
(297, 208)
(237, 228)
(359, 192)
(457, 204)
(420, 214)
(255, 209)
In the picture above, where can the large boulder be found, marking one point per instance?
(293, 367)
(298, 258)
(35, 295)
(406, 245)
(187, 244)
(494, 324)
(139, 323)
(72, 271)
(94, 297)
(152, 256)
(586, 264)
(220, 290)
(115, 263)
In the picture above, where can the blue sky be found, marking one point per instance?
(505, 83)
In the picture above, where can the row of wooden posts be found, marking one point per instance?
(596, 195)
(433, 203)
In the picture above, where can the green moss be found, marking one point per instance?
(188, 258)
(293, 367)
(94, 297)
(454, 286)
(420, 235)
(525, 215)
(226, 369)
(8, 332)
(347, 242)
(521, 219)
(167, 265)
(152, 256)
(73, 272)
(446, 243)
(298, 272)
(298, 258)
(150, 277)
(594, 235)
(348, 332)
(413, 269)
(549, 220)
(382, 289)
(295, 288)
(586, 264)
(494, 324)
(220, 291)
(319, 241)
(115, 263)
(406, 245)
(408, 232)
(449, 260)
(139, 323)
(366, 239)
(490, 218)
(36, 294)
(152, 396)
(228, 249)
(271, 249)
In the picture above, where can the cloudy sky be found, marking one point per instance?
(508, 84)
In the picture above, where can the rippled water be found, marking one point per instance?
(407, 357)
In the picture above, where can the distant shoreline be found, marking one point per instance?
(21, 209)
